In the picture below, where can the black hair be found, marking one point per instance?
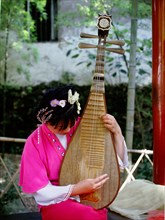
(65, 116)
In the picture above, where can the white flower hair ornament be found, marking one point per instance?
(74, 99)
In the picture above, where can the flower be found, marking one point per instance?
(78, 107)
(71, 99)
(56, 102)
(62, 103)
(74, 98)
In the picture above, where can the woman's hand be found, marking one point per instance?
(111, 124)
(89, 185)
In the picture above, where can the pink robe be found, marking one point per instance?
(41, 161)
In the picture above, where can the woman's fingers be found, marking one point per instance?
(99, 181)
(89, 185)
(110, 123)
(101, 178)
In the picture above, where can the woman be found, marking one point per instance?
(43, 154)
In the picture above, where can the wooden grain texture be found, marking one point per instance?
(91, 151)
(90, 154)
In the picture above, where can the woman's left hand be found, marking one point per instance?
(111, 124)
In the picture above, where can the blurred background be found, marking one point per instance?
(39, 50)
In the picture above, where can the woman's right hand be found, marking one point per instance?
(89, 185)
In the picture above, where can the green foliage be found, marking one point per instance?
(40, 5)
(123, 8)
(8, 198)
(12, 163)
(143, 118)
(91, 8)
(68, 19)
(67, 77)
(29, 56)
(144, 10)
(144, 170)
(87, 11)
(17, 27)
(15, 18)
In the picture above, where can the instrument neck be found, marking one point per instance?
(98, 77)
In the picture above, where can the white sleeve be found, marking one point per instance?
(51, 194)
(123, 163)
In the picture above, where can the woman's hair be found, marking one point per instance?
(59, 106)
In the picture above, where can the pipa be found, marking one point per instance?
(91, 151)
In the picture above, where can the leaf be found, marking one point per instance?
(79, 63)
(68, 52)
(114, 74)
(88, 64)
(75, 56)
(123, 71)
(141, 72)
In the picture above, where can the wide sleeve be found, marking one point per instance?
(33, 174)
(51, 194)
(123, 163)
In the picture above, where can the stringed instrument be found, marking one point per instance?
(91, 152)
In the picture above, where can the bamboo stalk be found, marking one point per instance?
(10, 139)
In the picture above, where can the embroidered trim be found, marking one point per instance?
(69, 192)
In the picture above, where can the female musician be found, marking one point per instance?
(43, 155)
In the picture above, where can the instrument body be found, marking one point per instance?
(91, 152)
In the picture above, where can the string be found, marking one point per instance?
(98, 84)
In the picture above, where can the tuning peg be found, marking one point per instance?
(84, 35)
(84, 45)
(115, 50)
(116, 42)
